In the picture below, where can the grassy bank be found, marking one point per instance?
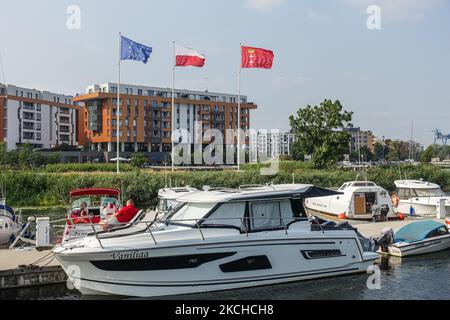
(33, 189)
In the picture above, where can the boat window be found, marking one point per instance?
(343, 187)
(404, 193)
(191, 212)
(364, 184)
(438, 232)
(268, 215)
(298, 209)
(437, 192)
(167, 205)
(6, 225)
(229, 214)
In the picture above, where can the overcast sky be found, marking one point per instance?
(323, 49)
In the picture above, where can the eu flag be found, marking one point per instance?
(131, 50)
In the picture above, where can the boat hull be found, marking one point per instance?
(420, 209)
(421, 247)
(160, 271)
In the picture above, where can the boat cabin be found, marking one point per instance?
(408, 189)
(252, 209)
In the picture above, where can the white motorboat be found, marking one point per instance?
(10, 225)
(420, 198)
(96, 201)
(218, 240)
(359, 200)
(419, 237)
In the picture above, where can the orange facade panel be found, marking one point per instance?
(133, 108)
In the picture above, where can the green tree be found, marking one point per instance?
(138, 160)
(319, 132)
(427, 155)
(381, 151)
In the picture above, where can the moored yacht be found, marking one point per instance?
(359, 200)
(420, 198)
(9, 224)
(218, 240)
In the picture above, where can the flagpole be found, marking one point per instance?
(239, 115)
(118, 107)
(173, 106)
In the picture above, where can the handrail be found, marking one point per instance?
(199, 229)
(96, 234)
(151, 233)
(197, 225)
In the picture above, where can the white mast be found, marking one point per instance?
(173, 107)
(118, 106)
(239, 115)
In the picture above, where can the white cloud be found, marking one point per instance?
(411, 10)
(263, 5)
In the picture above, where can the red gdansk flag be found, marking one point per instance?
(256, 58)
(188, 57)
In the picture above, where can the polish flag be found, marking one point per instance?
(188, 57)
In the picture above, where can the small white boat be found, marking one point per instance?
(359, 200)
(218, 240)
(10, 225)
(420, 198)
(416, 238)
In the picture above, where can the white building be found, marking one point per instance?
(271, 144)
(39, 118)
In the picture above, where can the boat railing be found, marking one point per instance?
(196, 223)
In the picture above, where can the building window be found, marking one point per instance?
(38, 136)
(28, 135)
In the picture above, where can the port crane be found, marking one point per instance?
(440, 137)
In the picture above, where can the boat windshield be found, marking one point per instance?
(190, 212)
(437, 192)
(165, 205)
(95, 201)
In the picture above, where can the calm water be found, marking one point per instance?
(423, 277)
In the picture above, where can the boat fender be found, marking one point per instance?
(447, 222)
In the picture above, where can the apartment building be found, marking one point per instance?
(360, 139)
(146, 116)
(40, 118)
(268, 145)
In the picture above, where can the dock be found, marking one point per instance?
(27, 268)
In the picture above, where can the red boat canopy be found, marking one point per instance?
(95, 192)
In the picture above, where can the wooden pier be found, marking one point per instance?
(27, 268)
